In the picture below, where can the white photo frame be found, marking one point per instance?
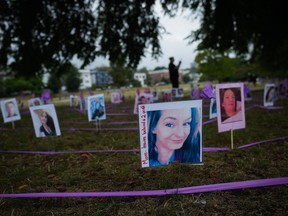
(34, 102)
(116, 97)
(96, 107)
(45, 120)
(142, 98)
(10, 110)
(269, 94)
(213, 108)
(234, 116)
(180, 122)
(177, 92)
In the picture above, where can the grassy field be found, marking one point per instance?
(121, 171)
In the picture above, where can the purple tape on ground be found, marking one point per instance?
(71, 152)
(119, 114)
(263, 141)
(209, 121)
(211, 149)
(186, 190)
(100, 129)
(117, 123)
(207, 149)
(25, 112)
(104, 123)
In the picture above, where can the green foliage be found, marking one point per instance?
(54, 83)
(135, 83)
(17, 85)
(109, 171)
(254, 30)
(37, 35)
(160, 68)
(186, 78)
(165, 80)
(72, 79)
(216, 66)
(122, 76)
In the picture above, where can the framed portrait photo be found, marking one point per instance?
(142, 98)
(177, 92)
(154, 95)
(170, 132)
(96, 107)
(269, 95)
(45, 120)
(34, 102)
(10, 110)
(230, 106)
(213, 108)
(116, 97)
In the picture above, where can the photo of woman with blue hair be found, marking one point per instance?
(174, 135)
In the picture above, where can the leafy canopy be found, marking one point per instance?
(42, 34)
(37, 34)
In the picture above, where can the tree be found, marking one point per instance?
(216, 66)
(44, 34)
(255, 30)
(72, 79)
(54, 83)
(20, 84)
(36, 35)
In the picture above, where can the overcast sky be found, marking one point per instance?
(172, 44)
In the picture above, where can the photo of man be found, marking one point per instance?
(10, 111)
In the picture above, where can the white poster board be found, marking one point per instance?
(170, 132)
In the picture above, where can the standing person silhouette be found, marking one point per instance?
(174, 73)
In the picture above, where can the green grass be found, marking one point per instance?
(104, 172)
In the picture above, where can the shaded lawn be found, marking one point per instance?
(24, 173)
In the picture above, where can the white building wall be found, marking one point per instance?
(86, 79)
(141, 77)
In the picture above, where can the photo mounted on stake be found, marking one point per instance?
(116, 97)
(269, 94)
(154, 95)
(142, 98)
(230, 106)
(96, 107)
(177, 92)
(213, 108)
(34, 102)
(74, 101)
(45, 120)
(170, 132)
(10, 111)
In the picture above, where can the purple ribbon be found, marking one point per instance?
(207, 149)
(195, 93)
(246, 89)
(186, 190)
(106, 123)
(100, 129)
(263, 141)
(209, 121)
(207, 91)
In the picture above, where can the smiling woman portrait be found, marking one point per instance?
(47, 127)
(230, 102)
(174, 135)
